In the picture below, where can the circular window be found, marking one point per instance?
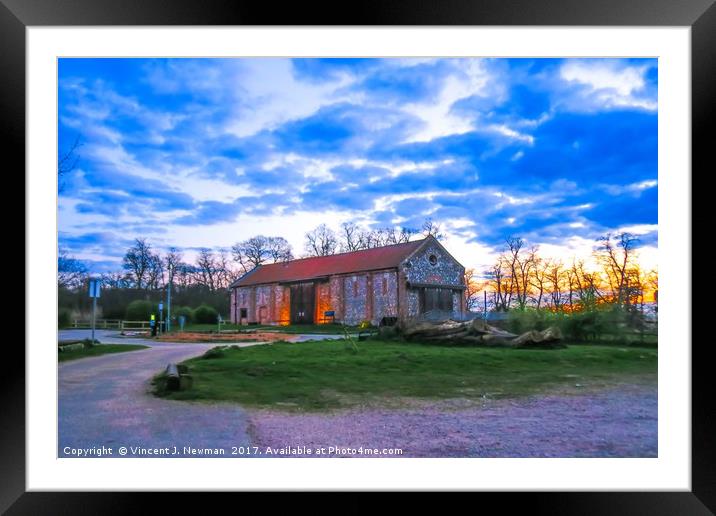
(433, 259)
(408, 265)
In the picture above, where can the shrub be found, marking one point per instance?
(187, 312)
(205, 314)
(64, 318)
(521, 321)
(601, 323)
(141, 310)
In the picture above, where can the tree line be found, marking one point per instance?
(146, 272)
(521, 277)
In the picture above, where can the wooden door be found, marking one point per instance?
(303, 296)
(436, 299)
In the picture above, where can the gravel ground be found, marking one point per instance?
(104, 401)
(620, 421)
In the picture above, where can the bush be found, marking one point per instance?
(141, 310)
(601, 323)
(64, 317)
(187, 312)
(205, 314)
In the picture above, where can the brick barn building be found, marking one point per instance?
(395, 282)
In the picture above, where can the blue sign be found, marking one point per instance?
(94, 288)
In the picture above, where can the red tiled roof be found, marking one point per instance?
(309, 268)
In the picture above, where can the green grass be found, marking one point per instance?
(323, 329)
(97, 350)
(325, 375)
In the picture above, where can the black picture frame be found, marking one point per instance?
(700, 15)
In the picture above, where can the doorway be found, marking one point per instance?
(303, 296)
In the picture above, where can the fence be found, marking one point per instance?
(111, 324)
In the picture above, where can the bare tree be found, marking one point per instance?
(321, 241)
(586, 285)
(206, 268)
(155, 272)
(540, 278)
(115, 280)
(279, 249)
(139, 262)
(431, 228)
(555, 279)
(652, 282)
(260, 249)
(352, 237)
(183, 275)
(171, 261)
(71, 272)
(67, 162)
(498, 278)
(224, 272)
(616, 253)
(519, 266)
(473, 287)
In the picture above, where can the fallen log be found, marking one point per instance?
(173, 378)
(546, 339)
(478, 332)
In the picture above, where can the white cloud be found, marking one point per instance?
(268, 94)
(609, 83)
(438, 119)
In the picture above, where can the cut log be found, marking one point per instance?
(173, 378)
(478, 332)
(547, 339)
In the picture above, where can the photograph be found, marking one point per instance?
(357, 257)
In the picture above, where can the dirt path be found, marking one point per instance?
(617, 422)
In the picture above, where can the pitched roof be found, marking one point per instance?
(385, 257)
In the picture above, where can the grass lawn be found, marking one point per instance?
(96, 350)
(323, 329)
(325, 375)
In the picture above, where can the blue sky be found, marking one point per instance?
(208, 152)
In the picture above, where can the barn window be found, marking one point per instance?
(244, 313)
(355, 289)
(385, 286)
(433, 259)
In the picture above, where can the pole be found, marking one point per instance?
(94, 309)
(169, 301)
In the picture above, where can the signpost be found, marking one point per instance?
(161, 307)
(94, 291)
(169, 299)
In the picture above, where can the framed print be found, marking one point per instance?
(423, 244)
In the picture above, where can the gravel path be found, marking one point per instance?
(617, 422)
(104, 401)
